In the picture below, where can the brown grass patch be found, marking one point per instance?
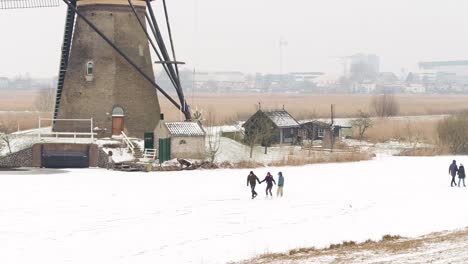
(334, 157)
(424, 152)
(23, 120)
(389, 243)
(240, 106)
(230, 108)
(403, 130)
(12, 100)
(240, 165)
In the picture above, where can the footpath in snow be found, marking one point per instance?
(99, 216)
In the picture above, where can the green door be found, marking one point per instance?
(149, 140)
(164, 150)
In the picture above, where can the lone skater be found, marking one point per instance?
(110, 161)
(461, 175)
(269, 180)
(453, 169)
(252, 179)
(280, 184)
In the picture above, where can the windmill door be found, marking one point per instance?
(117, 125)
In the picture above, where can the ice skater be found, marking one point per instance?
(461, 175)
(453, 169)
(280, 184)
(269, 180)
(110, 161)
(252, 179)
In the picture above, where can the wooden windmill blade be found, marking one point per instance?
(20, 4)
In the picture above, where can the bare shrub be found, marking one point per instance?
(45, 100)
(6, 138)
(213, 137)
(362, 123)
(391, 237)
(343, 245)
(385, 105)
(452, 133)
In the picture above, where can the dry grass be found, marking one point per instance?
(321, 157)
(239, 106)
(401, 130)
(23, 120)
(247, 164)
(232, 107)
(425, 152)
(389, 243)
(11, 100)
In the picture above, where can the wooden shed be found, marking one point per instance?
(187, 139)
(272, 127)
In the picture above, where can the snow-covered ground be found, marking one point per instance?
(99, 216)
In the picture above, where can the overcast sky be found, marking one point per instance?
(243, 35)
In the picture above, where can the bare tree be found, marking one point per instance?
(452, 133)
(362, 123)
(6, 138)
(309, 134)
(45, 100)
(385, 105)
(213, 137)
(259, 131)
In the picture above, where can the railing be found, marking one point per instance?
(150, 154)
(66, 135)
(129, 144)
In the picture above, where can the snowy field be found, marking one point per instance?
(99, 216)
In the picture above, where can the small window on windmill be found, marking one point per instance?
(182, 142)
(89, 68)
(89, 71)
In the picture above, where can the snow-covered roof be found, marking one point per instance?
(185, 129)
(281, 119)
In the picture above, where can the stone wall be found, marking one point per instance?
(102, 159)
(188, 147)
(18, 159)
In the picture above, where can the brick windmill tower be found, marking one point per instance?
(106, 70)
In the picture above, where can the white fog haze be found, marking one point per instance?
(244, 35)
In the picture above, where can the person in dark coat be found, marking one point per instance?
(461, 175)
(269, 180)
(252, 179)
(453, 169)
(280, 184)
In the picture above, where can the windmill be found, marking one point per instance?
(106, 71)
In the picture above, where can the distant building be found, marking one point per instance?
(450, 76)
(388, 82)
(4, 83)
(226, 81)
(415, 88)
(361, 67)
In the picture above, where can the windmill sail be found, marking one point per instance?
(18, 4)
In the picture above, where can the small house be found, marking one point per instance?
(271, 127)
(319, 130)
(180, 140)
